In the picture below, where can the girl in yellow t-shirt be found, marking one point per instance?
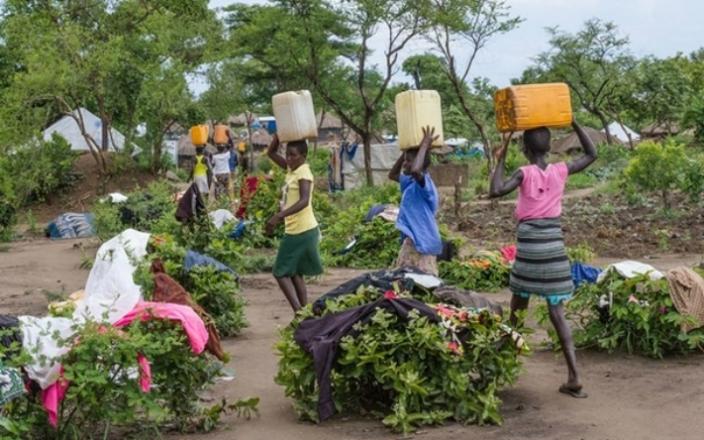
(298, 254)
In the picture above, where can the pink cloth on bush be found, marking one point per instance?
(54, 395)
(190, 321)
(509, 253)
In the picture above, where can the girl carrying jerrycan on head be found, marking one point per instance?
(542, 268)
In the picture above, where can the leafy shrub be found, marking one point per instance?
(104, 394)
(32, 172)
(582, 253)
(151, 209)
(217, 292)
(410, 373)
(657, 168)
(318, 160)
(641, 319)
(486, 272)
(41, 168)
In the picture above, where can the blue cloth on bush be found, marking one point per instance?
(71, 225)
(239, 230)
(194, 259)
(584, 273)
(373, 212)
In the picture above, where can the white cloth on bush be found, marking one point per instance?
(110, 290)
(110, 293)
(631, 269)
(117, 197)
(42, 338)
(221, 216)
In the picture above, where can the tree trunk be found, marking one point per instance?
(605, 124)
(367, 139)
(250, 165)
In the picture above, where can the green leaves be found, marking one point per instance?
(484, 273)
(641, 320)
(405, 371)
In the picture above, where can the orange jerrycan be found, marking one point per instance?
(199, 134)
(533, 105)
(416, 109)
(220, 135)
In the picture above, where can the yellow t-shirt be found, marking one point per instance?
(304, 220)
(200, 168)
(242, 147)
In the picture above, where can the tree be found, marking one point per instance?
(594, 63)
(329, 45)
(467, 26)
(657, 93)
(100, 54)
(398, 21)
(429, 71)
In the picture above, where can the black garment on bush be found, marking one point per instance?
(381, 279)
(320, 337)
(466, 298)
(190, 205)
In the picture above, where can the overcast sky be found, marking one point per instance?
(654, 27)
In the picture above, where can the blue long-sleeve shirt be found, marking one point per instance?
(416, 217)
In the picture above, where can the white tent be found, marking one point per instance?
(383, 157)
(619, 133)
(68, 128)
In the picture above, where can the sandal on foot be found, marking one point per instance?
(577, 393)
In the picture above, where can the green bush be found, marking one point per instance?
(104, 396)
(657, 168)
(39, 169)
(29, 173)
(217, 292)
(641, 320)
(407, 372)
(151, 210)
(486, 272)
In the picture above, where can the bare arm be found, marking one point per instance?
(500, 187)
(424, 149)
(395, 172)
(589, 156)
(273, 152)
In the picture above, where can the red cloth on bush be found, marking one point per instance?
(246, 193)
(168, 290)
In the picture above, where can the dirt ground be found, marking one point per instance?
(630, 397)
(605, 222)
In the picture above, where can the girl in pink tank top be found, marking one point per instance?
(542, 267)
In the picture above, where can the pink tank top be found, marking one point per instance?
(540, 193)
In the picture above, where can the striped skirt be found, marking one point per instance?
(541, 267)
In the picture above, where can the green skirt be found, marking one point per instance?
(299, 255)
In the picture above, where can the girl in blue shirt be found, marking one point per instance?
(421, 241)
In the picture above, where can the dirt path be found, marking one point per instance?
(630, 397)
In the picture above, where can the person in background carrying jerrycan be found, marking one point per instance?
(419, 121)
(202, 172)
